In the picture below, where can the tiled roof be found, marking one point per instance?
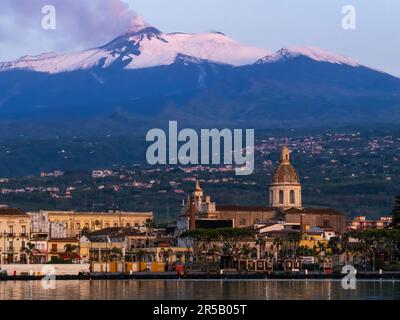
(63, 240)
(314, 211)
(244, 208)
(116, 232)
(285, 173)
(12, 212)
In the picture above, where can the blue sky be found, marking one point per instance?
(270, 24)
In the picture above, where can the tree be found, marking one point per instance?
(200, 241)
(165, 255)
(141, 254)
(116, 254)
(29, 250)
(234, 241)
(213, 242)
(69, 248)
(85, 231)
(396, 213)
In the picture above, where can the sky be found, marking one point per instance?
(269, 24)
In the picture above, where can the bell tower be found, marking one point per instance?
(285, 187)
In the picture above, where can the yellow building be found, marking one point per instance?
(92, 221)
(313, 239)
(14, 235)
(63, 248)
(101, 251)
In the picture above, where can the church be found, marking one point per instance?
(285, 204)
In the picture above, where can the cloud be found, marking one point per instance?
(80, 24)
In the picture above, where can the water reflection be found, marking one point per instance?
(199, 290)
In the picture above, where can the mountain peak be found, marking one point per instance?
(146, 30)
(317, 54)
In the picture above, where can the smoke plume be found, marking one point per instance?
(79, 25)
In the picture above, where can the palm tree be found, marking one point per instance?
(278, 244)
(115, 254)
(261, 243)
(85, 231)
(69, 248)
(140, 254)
(29, 250)
(166, 254)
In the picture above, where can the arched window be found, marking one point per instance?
(281, 196)
(292, 197)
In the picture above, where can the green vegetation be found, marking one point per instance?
(396, 213)
(353, 170)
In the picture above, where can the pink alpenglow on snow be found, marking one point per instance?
(310, 52)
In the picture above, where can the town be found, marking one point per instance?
(355, 171)
(281, 234)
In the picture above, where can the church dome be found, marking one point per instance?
(285, 173)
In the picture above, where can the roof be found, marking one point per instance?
(12, 212)
(319, 211)
(285, 172)
(115, 213)
(116, 232)
(105, 231)
(243, 208)
(63, 240)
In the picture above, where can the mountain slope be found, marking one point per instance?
(143, 80)
(147, 48)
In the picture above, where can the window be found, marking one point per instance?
(128, 225)
(54, 247)
(256, 221)
(242, 222)
(23, 229)
(115, 224)
(10, 229)
(326, 223)
(281, 196)
(78, 226)
(107, 225)
(22, 245)
(292, 197)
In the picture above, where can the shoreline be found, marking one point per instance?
(204, 276)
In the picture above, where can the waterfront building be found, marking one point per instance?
(62, 249)
(41, 226)
(14, 235)
(362, 223)
(313, 238)
(317, 217)
(75, 222)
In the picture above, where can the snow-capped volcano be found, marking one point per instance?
(148, 47)
(309, 52)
